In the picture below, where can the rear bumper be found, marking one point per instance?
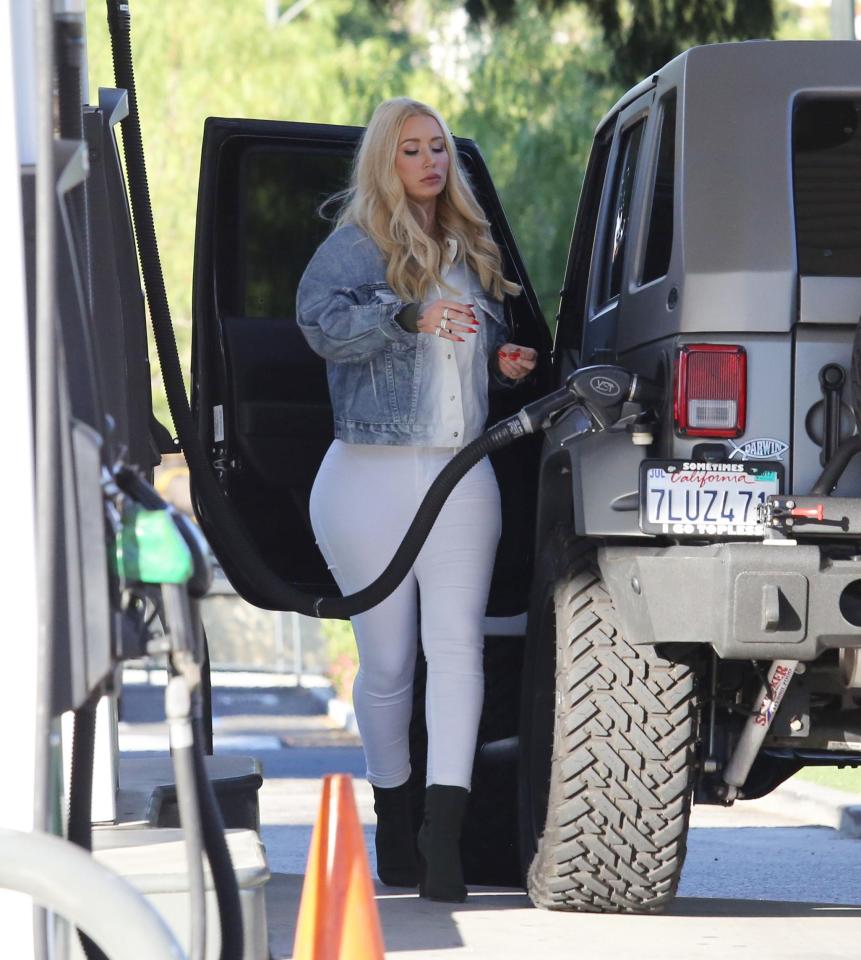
(747, 600)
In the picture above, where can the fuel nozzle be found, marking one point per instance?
(602, 394)
(602, 389)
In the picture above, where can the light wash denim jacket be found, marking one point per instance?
(347, 312)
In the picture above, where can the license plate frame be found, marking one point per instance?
(672, 517)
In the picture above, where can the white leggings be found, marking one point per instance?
(363, 500)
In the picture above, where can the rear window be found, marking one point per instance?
(826, 162)
(659, 242)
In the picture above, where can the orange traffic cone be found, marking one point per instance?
(338, 917)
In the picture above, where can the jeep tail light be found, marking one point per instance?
(710, 390)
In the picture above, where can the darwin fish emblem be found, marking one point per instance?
(763, 448)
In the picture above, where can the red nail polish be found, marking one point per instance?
(461, 340)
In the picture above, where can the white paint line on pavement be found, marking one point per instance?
(228, 678)
(140, 742)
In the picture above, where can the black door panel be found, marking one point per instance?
(259, 392)
(261, 185)
(281, 424)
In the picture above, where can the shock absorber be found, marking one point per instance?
(757, 725)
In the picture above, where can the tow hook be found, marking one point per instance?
(798, 515)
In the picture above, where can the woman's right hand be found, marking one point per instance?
(447, 319)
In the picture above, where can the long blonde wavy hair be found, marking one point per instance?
(377, 203)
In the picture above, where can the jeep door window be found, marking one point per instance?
(281, 228)
(659, 239)
(826, 163)
(616, 228)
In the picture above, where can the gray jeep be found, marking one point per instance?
(676, 603)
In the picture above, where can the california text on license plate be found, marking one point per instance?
(691, 498)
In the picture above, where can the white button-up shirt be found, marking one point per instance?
(454, 395)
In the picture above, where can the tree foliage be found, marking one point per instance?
(645, 34)
(535, 99)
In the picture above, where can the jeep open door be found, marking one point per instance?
(259, 393)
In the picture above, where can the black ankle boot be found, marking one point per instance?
(439, 844)
(397, 865)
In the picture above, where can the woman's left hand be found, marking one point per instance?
(515, 362)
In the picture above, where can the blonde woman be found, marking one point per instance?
(404, 301)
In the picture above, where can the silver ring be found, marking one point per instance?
(445, 313)
(437, 331)
(442, 324)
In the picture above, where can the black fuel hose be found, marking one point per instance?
(833, 471)
(224, 519)
(178, 710)
(495, 438)
(217, 852)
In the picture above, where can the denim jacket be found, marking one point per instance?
(347, 312)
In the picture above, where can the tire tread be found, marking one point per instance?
(622, 772)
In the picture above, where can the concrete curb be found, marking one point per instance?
(850, 822)
(811, 803)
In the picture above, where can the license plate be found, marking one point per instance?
(691, 498)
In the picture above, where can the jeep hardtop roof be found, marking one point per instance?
(734, 260)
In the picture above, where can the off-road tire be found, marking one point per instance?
(622, 770)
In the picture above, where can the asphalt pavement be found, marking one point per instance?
(771, 879)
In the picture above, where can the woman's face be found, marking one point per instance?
(422, 159)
